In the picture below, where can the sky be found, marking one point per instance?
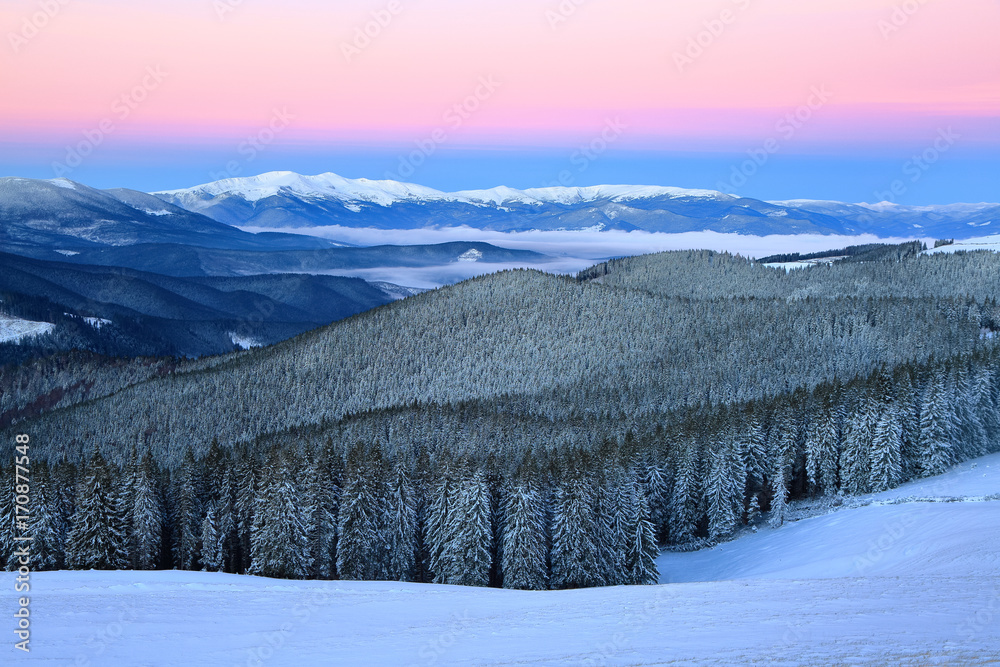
(857, 100)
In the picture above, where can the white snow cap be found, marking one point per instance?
(386, 193)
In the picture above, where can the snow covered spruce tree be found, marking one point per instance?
(323, 497)
(188, 512)
(402, 523)
(363, 550)
(524, 545)
(278, 543)
(465, 531)
(147, 516)
(576, 558)
(48, 525)
(725, 488)
(937, 429)
(684, 504)
(641, 550)
(98, 540)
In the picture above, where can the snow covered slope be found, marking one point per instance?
(795, 595)
(936, 527)
(980, 243)
(15, 329)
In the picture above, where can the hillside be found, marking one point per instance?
(557, 347)
(125, 312)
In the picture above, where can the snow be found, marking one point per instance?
(255, 188)
(387, 193)
(156, 213)
(244, 342)
(96, 322)
(907, 577)
(13, 329)
(68, 253)
(63, 183)
(471, 255)
(802, 263)
(980, 243)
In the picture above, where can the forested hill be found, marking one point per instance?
(655, 335)
(896, 272)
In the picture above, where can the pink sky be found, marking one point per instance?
(607, 58)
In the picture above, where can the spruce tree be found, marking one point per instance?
(402, 524)
(641, 552)
(575, 556)
(937, 428)
(97, 540)
(189, 513)
(147, 516)
(466, 557)
(886, 463)
(279, 545)
(524, 545)
(362, 547)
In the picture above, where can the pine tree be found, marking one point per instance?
(641, 553)
(575, 556)
(97, 540)
(323, 495)
(444, 499)
(213, 556)
(779, 483)
(657, 483)
(886, 463)
(524, 546)
(725, 493)
(362, 548)
(937, 429)
(189, 511)
(466, 557)
(279, 542)
(147, 516)
(48, 544)
(402, 524)
(8, 519)
(684, 503)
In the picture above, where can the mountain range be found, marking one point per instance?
(285, 200)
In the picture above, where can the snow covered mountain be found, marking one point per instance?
(71, 217)
(285, 199)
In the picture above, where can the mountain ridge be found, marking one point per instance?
(288, 200)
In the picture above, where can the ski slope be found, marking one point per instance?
(797, 595)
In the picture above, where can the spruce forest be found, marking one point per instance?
(518, 430)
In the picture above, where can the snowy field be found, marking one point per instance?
(15, 329)
(981, 243)
(906, 577)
